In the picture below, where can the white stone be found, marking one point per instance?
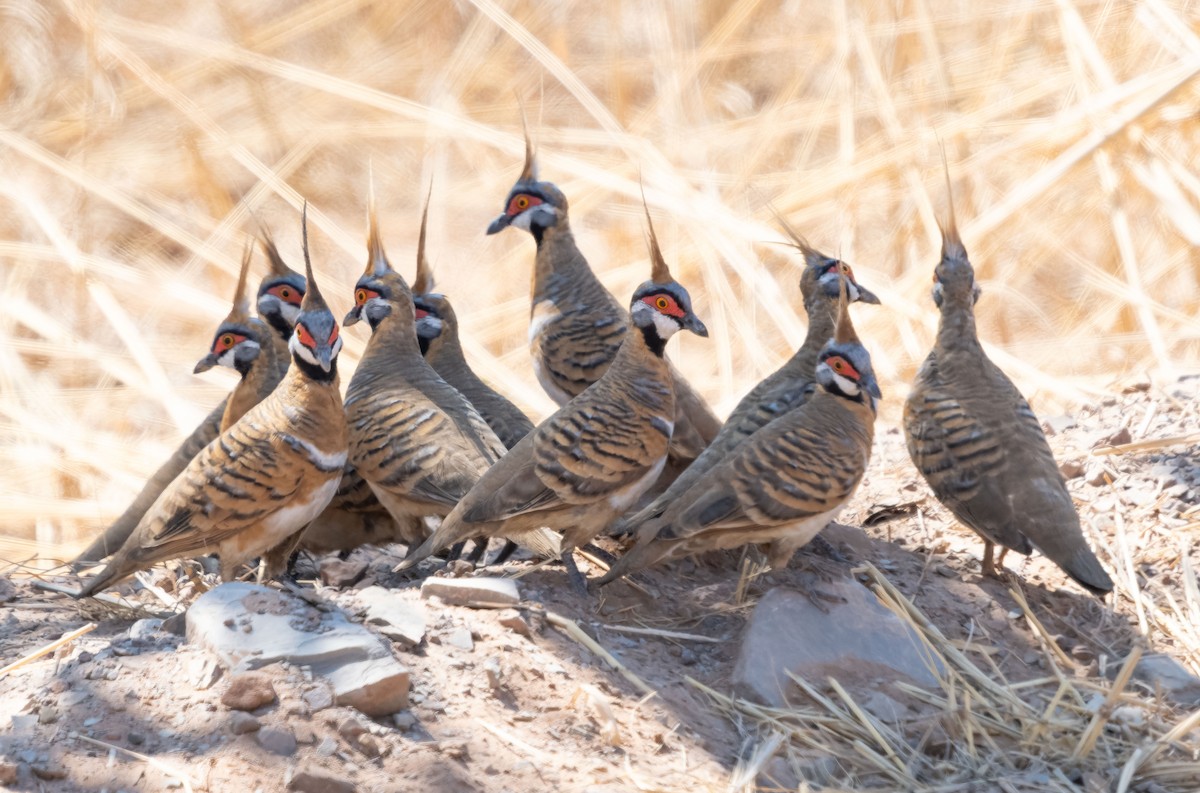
(479, 592)
(394, 616)
(266, 626)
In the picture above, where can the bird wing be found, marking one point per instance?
(593, 448)
(236, 482)
(403, 443)
(803, 464)
(961, 455)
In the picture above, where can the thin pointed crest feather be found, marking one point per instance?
(377, 262)
(844, 334)
(313, 300)
(659, 272)
(423, 282)
(811, 254)
(529, 172)
(952, 245)
(278, 266)
(241, 303)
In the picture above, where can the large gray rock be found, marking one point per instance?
(858, 642)
(249, 626)
(1166, 675)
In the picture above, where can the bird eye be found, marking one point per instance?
(333, 334)
(662, 303)
(360, 297)
(305, 337)
(522, 202)
(285, 293)
(227, 341)
(846, 271)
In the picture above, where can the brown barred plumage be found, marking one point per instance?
(785, 482)
(262, 480)
(596, 455)
(576, 325)
(257, 382)
(782, 391)
(437, 333)
(979, 445)
(418, 442)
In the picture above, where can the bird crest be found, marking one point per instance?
(659, 273)
(952, 245)
(812, 256)
(278, 265)
(423, 282)
(530, 172)
(844, 332)
(377, 261)
(313, 300)
(241, 303)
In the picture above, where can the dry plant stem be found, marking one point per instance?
(49, 648)
(525, 748)
(1088, 741)
(687, 637)
(151, 761)
(572, 629)
(1153, 444)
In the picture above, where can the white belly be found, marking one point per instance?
(622, 500)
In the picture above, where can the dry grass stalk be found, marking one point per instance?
(997, 733)
(573, 631)
(47, 649)
(153, 762)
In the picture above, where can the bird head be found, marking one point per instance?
(844, 365)
(281, 292)
(237, 342)
(661, 307)
(380, 286)
(531, 205)
(316, 342)
(823, 274)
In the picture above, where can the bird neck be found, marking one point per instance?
(393, 335)
(956, 327)
(822, 320)
(559, 265)
(314, 373)
(280, 325)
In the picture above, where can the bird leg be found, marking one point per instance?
(478, 552)
(994, 569)
(508, 550)
(578, 582)
(600, 554)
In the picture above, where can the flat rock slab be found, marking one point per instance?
(249, 626)
(1166, 675)
(394, 615)
(857, 642)
(481, 592)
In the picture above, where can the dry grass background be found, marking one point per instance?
(139, 142)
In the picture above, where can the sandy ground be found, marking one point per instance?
(543, 712)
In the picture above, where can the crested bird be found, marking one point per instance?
(576, 325)
(417, 441)
(278, 303)
(978, 444)
(262, 480)
(786, 481)
(594, 457)
(248, 346)
(785, 389)
(437, 334)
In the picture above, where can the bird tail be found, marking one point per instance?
(111, 574)
(645, 551)
(1084, 567)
